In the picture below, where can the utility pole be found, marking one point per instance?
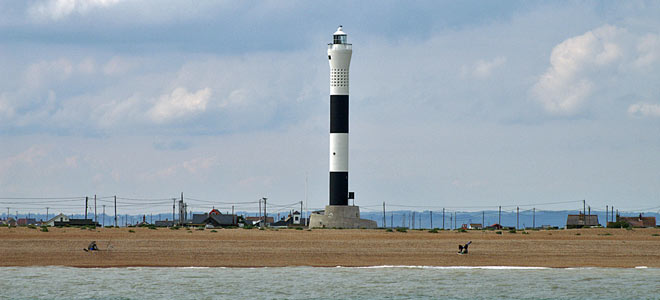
(517, 217)
(499, 216)
(431, 216)
(384, 223)
(95, 218)
(265, 211)
(533, 217)
(47, 213)
(86, 199)
(392, 220)
(115, 211)
(607, 212)
(261, 215)
(483, 219)
(412, 218)
(451, 221)
(443, 218)
(103, 222)
(455, 220)
(584, 206)
(173, 210)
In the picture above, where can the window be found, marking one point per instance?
(339, 39)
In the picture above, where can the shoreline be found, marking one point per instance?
(375, 248)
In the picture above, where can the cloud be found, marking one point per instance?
(644, 110)
(483, 68)
(179, 104)
(603, 63)
(565, 86)
(59, 9)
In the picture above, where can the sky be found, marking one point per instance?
(453, 103)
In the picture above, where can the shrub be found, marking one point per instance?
(578, 233)
(152, 227)
(620, 224)
(461, 230)
(174, 228)
(401, 229)
(389, 230)
(32, 226)
(299, 228)
(44, 229)
(247, 226)
(525, 232)
(214, 230)
(434, 230)
(512, 231)
(200, 228)
(655, 234)
(498, 232)
(131, 231)
(606, 233)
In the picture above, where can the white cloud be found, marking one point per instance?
(117, 66)
(644, 110)
(44, 72)
(566, 85)
(59, 9)
(180, 103)
(483, 68)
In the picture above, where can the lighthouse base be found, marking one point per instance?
(340, 216)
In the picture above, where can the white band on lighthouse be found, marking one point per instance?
(339, 152)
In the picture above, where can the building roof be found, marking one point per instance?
(638, 221)
(581, 220)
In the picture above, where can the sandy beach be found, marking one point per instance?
(327, 247)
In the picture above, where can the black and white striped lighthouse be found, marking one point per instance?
(339, 57)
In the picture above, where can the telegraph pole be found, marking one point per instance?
(607, 212)
(392, 220)
(103, 222)
(483, 219)
(517, 216)
(47, 213)
(443, 218)
(384, 225)
(584, 207)
(86, 199)
(173, 210)
(115, 211)
(95, 218)
(431, 215)
(533, 217)
(499, 217)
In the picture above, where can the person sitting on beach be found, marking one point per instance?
(92, 246)
(464, 249)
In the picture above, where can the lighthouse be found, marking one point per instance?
(339, 57)
(338, 214)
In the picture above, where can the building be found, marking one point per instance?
(62, 218)
(26, 221)
(165, 223)
(581, 220)
(637, 221)
(213, 219)
(338, 214)
(475, 226)
(255, 221)
(292, 220)
(77, 222)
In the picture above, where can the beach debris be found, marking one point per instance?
(463, 249)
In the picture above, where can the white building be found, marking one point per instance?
(59, 218)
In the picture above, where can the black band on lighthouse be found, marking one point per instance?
(338, 113)
(338, 188)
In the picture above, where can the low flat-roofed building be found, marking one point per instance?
(581, 220)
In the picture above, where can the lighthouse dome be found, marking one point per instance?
(339, 37)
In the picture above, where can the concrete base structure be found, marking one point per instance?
(340, 216)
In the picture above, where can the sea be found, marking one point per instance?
(378, 282)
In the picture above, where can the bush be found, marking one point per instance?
(32, 226)
(655, 234)
(131, 231)
(401, 229)
(606, 233)
(620, 224)
(389, 230)
(174, 228)
(44, 229)
(152, 227)
(247, 226)
(578, 233)
(299, 228)
(498, 232)
(525, 232)
(200, 228)
(214, 230)
(461, 230)
(512, 231)
(434, 230)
